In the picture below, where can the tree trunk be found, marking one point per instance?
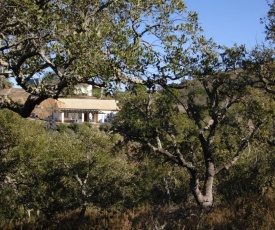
(30, 104)
(205, 199)
(83, 197)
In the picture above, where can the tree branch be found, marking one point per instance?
(237, 155)
(178, 159)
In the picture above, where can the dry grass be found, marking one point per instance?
(253, 213)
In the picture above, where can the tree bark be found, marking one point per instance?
(204, 199)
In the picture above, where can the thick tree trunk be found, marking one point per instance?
(205, 199)
(30, 104)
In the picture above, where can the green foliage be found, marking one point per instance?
(269, 22)
(96, 42)
(145, 115)
(157, 183)
(97, 92)
(42, 169)
(206, 128)
(54, 171)
(4, 83)
(223, 113)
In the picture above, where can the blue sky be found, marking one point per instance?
(231, 21)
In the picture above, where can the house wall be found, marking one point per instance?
(102, 118)
(83, 117)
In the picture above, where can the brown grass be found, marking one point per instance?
(254, 213)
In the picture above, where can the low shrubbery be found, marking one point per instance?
(77, 177)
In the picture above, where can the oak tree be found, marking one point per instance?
(100, 43)
(207, 124)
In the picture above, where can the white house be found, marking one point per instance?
(84, 110)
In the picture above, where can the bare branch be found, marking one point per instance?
(176, 158)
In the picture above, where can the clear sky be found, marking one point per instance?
(231, 21)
